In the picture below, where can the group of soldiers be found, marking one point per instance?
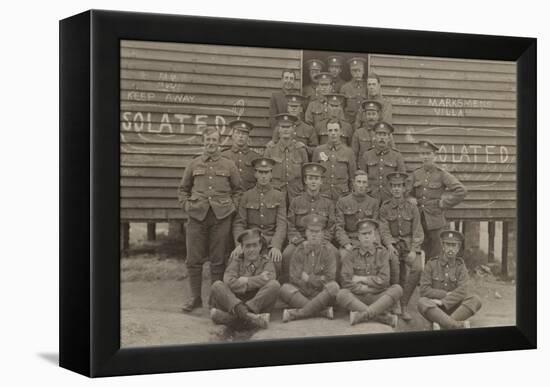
(327, 217)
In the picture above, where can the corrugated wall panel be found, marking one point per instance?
(469, 108)
(169, 93)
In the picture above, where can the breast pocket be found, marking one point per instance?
(406, 224)
(270, 212)
(252, 213)
(221, 180)
(299, 214)
(390, 165)
(350, 218)
(342, 172)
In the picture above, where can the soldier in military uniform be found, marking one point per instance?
(445, 299)
(249, 290)
(351, 208)
(356, 89)
(381, 160)
(311, 202)
(263, 208)
(374, 94)
(433, 190)
(335, 64)
(401, 233)
(317, 109)
(334, 114)
(289, 155)
(314, 67)
(312, 289)
(304, 132)
(240, 152)
(363, 136)
(339, 162)
(209, 193)
(278, 101)
(366, 291)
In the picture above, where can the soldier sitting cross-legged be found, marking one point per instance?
(366, 291)
(249, 289)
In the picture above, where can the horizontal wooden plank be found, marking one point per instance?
(164, 71)
(481, 214)
(444, 139)
(184, 80)
(441, 64)
(147, 214)
(398, 91)
(155, 133)
(453, 120)
(132, 171)
(195, 93)
(199, 58)
(453, 112)
(424, 73)
(467, 103)
(176, 142)
(260, 52)
(437, 84)
(192, 110)
(456, 130)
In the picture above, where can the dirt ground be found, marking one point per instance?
(153, 290)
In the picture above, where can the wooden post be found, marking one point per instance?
(175, 230)
(491, 245)
(124, 236)
(504, 265)
(471, 235)
(151, 231)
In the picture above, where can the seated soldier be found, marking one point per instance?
(249, 289)
(445, 299)
(312, 289)
(402, 234)
(366, 291)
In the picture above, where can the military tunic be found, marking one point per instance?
(340, 165)
(378, 163)
(350, 209)
(400, 225)
(305, 133)
(259, 292)
(287, 171)
(263, 208)
(386, 114)
(435, 190)
(243, 157)
(322, 133)
(361, 141)
(337, 84)
(277, 105)
(355, 92)
(317, 111)
(306, 204)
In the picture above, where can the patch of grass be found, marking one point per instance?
(151, 268)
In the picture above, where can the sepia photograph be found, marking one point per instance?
(270, 193)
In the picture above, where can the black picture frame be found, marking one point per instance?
(90, 186)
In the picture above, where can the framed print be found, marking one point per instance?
(239, 193)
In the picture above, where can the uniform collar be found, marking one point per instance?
(382, 151)
(431, 168)
(235, 148)
(263, 189)
(309, 196)
(367, 251)
(396, 202)
(443, 261)
(336, 146)
(283, 147)
(359, 197)
(215, 157)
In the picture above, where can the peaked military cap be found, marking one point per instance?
(263, 164)
(314, 221)
(251, 233)
(313, 169)
(360, 172)
(335, 60)
(365, 223)
(357, 62)
(451, 236)
(374, 76)
(335, 99)
(427, 144)
(286, 119)
(295, 99)
(397, 177)
(383, 127)
(371, 105)
(241, 125)
(315, 64)
(323, 77)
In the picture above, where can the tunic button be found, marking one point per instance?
(209, 197)
(209, 187)
(210, 177)
(262, 215)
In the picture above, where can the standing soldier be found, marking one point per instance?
(263, 208)
(374, 94)
(381, 160)
(335, 64)
(366, 291)
(278, 102)
(289, 155)
(334, 114)
(433, 190)
(317, 109)
(312, 289)
(240, 153)
(339, 162)
(352, 208)
(314, 67)
(356, 89)
(209, 193)
(249, 290)
(304, 132)
(445, 299)
(402, 234)
(311, 202)
(363, 136)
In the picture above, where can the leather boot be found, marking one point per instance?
(195, 283)
(380, 306)
(356, 317)
(462, 313)
(387, 319)
(443, 319)
(220, 317)
(316, 304)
